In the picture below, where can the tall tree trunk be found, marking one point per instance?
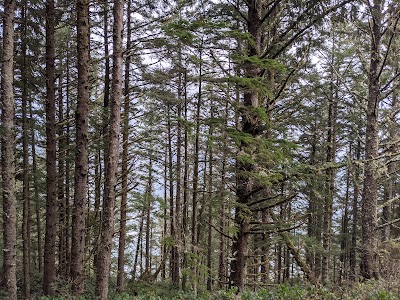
(103, 268)
(177, 237)
(222, 212)
(185, 232)
(172, 224)
(124, 167)
(26, 215)
(165, 215)
(62, 247)
(148, 201)
(354, 227)
(8, 154)
(36, 197)
(67, 175)
(49, 273)
(330, 177)
(344, 240)
(251, 126)
(370, 190)
(195, 198)
(81, 154)
(210, 206)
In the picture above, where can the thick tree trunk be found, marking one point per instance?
(107, 232)
(49, 271)
(250, 125)
(8, 154)
(81, 155)
(369, 267)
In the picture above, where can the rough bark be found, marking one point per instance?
(8, 154)
(250, 125)
(49, 270)
(81, 154)
(107, 226)
(370, 188)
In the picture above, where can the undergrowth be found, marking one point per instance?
(373, 290)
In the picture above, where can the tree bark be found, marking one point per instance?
(124, 167)
(107, 232)
(81, 154)
(250, 125)
(369, 268)
(8, 154)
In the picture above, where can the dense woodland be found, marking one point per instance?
(205, 144)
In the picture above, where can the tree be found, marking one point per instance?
(49, 271)
(369, 268)
(81, 154)
(107, 226)
(9, 278)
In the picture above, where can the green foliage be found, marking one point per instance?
(138, 290)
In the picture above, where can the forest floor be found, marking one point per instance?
(373, 290)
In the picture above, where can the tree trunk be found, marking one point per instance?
(49, 271)
(250, 125)
(124, 167)
(172, 226)
(195, 197)
(354, 227)
(62, 246)
(36, 194)
(8, 154)
(103, 268)
(185, 231)
(81, 155)
(370, 190)
(148, 195)
(26, 215)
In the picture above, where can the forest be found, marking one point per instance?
(200, 149)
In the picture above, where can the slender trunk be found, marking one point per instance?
(370, 190)
(81, 154)
(124, 166)
(177, 237)
(354, 228)
(67, 176)
(49, 273)
(222, 195)
(185, 232)
(107, 232)
(196, 174)
(344, 243)
(330, 183)
(171, 197)
(139, 239)
(36, 194)
(165, 216)
(25, 163)
(210, 206)
(62, 247)
(148, 201)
